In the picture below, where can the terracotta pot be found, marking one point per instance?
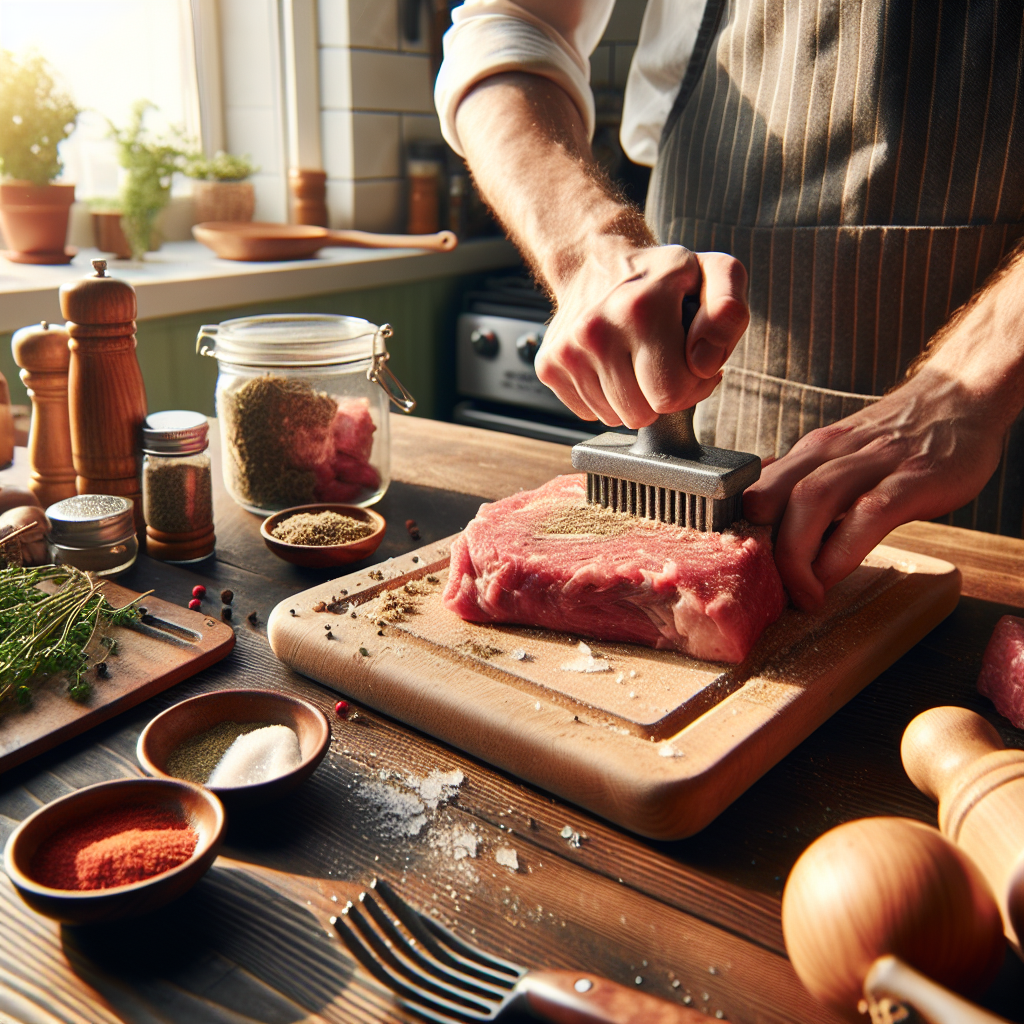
(224, 200)
(34, 221)
(110, 235)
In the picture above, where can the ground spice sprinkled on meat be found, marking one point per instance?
(589, 519)
(321, 529)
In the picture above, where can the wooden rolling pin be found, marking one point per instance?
(43, 355)
(106, 395)
(891, 889)
(959, 760)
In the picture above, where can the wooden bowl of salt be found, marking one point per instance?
(35, 865)
(305, 528)
(193, 739)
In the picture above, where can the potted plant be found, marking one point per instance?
(221, 191)
(35, 117)
(106, 225)
(150, 161)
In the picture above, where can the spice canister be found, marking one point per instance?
(177, 486)
(93, 532)
(302, 402)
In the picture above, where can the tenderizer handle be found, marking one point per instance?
(672, 433)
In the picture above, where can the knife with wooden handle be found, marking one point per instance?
(568, 997)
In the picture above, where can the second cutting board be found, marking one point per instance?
(653, 740)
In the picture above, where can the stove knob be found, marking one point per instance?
(485, 343)
(527, 345)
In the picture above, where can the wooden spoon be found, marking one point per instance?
(256, 241)
(890, 888)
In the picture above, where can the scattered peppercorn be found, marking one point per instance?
(253, 617)
(199, 590)
(195, 604)
(330, 635)
(341, 708)
(353, 614)
(433, 579)
(225, 613)
(364, 652)
(380, 632)
(291, 611)
(414, 530)
(101, 669)
(327, 627)
(227, 596)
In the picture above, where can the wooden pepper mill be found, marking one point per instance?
(958, 759)
(106, 395)
(43, 355)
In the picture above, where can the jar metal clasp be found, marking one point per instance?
(207, 333)
(380, 374)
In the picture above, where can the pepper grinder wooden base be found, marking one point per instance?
(957, 758)
(106, 394)
(43, 355)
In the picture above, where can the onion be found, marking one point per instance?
(33, 541)
(15, 497)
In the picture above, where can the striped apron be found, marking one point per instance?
(864, 160)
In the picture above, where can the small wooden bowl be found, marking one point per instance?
(319, 556)
(199, 806)
(172, 727)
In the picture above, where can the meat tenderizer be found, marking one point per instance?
(664, 472)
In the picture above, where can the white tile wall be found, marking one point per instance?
(378, 205)
(391, 81)
(376, 96)
(335, 78)
(373, 24)
(376, 145)
(332, 22)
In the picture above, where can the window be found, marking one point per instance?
(108, 54)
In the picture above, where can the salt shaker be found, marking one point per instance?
(106, 395)
(42, 353)
(177, 486)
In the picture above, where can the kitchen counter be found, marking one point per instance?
(695, 921)
(185, 277)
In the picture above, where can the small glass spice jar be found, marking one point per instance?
(177, 486)
(93, 532)
(303, 402)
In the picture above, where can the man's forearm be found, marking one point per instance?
(528, 150)
(982, 346)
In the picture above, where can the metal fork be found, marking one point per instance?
(436, 975)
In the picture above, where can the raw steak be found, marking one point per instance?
(1002, 669)
(546, 558)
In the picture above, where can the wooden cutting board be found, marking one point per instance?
(173, 644)
(659, 743)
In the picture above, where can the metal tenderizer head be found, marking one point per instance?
(664, 473)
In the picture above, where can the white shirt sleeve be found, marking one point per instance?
(553, 38)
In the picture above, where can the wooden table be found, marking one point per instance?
(696, 921)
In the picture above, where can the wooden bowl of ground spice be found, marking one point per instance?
(114, 850)
(320, 536)
(247, 746)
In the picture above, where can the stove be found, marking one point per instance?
(497, 339)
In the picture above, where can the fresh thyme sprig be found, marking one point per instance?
(49, 617)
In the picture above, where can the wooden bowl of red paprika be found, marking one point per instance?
(86, 857)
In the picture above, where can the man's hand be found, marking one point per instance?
(924, 450)
(616, 349)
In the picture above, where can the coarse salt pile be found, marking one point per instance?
(257, 756)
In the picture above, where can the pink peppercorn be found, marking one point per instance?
(341, 708)
(195, 604)
(199, 590)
